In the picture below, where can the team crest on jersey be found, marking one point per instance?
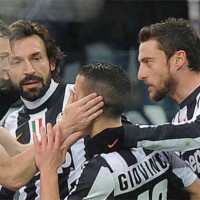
(36, 122)
(59, 117)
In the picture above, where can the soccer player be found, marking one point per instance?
(34, 64)
(112, 171)
(169, 65)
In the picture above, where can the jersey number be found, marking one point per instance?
(159, 192)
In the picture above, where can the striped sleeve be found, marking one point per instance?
(166, 137)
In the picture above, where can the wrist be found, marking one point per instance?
(48, 170)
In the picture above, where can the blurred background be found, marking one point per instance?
(105, 30)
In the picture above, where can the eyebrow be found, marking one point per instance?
(4, 54)
(14, 57)
(145, 59)
(36, 53)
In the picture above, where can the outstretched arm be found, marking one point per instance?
(166, 137)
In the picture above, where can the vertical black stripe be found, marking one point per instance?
(128, 157)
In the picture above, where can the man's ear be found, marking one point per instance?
(52, 65)
(181, 59)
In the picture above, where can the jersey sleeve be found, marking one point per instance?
(95, 182)
(181, 170)
(166, 137)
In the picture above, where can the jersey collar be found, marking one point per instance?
(108, 140)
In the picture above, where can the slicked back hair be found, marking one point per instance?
(111, 82)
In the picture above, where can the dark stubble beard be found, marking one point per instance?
(166, 90)
(5, 85)
(35, 93)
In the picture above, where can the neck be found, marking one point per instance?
(102, 123)
(183, 87)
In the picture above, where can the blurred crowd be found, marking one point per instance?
(105, 30)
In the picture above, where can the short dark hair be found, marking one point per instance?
(111, 82)
(4, 31)
(173, 35)
(23, 28)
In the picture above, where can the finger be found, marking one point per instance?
(36, 141)
(95, 103)
(50, 135)
(43, 136)
(88, 98)
(63, 153)
(71, 98)
(57, 137)
(95, 108)
(94, 115)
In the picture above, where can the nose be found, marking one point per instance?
(28, 67)
(4, 64)
(141, 72)
(4, 67)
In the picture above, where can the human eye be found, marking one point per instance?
(15, 62)
(149, 62)
(3, 57)
(36, 58)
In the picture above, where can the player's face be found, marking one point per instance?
(4, 55)
(30, 69)
(154, 70)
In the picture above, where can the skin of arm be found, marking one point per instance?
(14, 174)
(194, 190)
(11, 146)
(48, 157)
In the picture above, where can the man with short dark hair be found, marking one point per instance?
(170, 66)
(112, 171)
(35, 61)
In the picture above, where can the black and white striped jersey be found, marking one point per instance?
(182, 135)
(136, 173)
(27, 120)
(189, 110)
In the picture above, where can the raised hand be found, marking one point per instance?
(48, 157)
(79, 114)
(48, 152)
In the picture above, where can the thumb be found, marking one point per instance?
(71, 97)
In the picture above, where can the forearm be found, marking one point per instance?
(164, 137)
(10, 144)
(49, 184)
(18, 170)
